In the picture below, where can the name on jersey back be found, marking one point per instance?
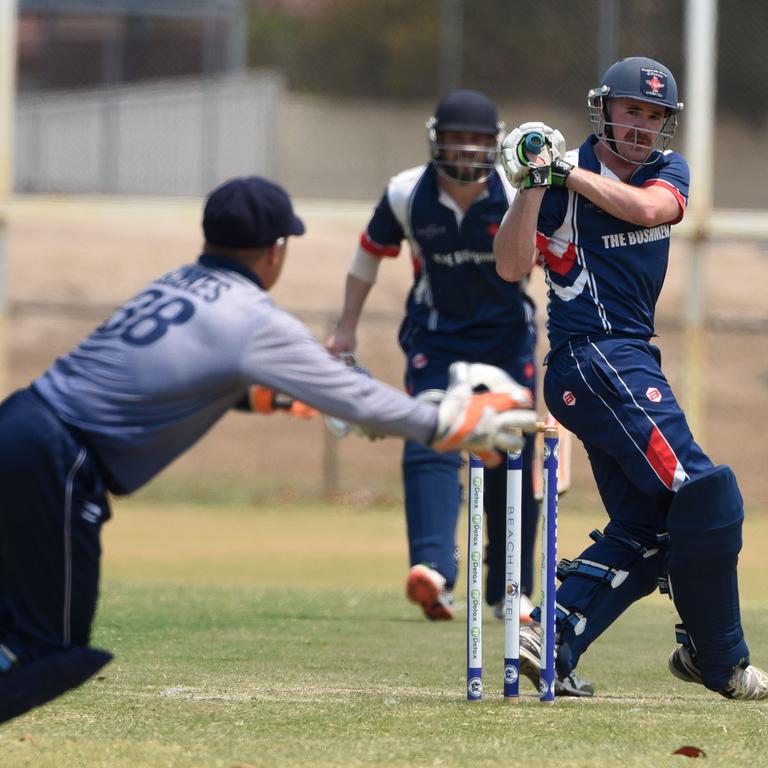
(196, 280)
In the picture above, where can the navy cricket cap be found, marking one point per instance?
(249, 212)
(466, 111)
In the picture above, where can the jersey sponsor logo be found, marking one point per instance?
(637, 236)
(492, 229)
(569, 398)
(457, 258)
(653, 394)
(419, 360)
(431, 231)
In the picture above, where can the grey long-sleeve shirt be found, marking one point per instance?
(152, 379)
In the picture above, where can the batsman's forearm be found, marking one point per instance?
(514, 246)
(644, 206)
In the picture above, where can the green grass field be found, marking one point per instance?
(235, 648)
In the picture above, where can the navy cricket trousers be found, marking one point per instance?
(612, 394)
(431, 480)
(53, 506)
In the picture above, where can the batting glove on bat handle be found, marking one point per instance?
(528, 139)
(531, 142)
(561, 170)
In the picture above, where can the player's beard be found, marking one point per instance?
(464, 169)
(464, 174)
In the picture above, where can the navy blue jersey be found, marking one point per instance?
(455, 287)
(604, 274)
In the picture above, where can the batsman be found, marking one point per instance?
(601, 217)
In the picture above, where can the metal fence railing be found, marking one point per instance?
(169, 137)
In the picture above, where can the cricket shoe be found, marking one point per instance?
(682, 665)
(427, 587)
(747, 683)
(526, 606)
(530, 666)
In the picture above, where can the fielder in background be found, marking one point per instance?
(458, 309)
(601, 217)
(147, 384)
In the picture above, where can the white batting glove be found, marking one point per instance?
(528, 151)
(554, 139)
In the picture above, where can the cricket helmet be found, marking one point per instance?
(464, 112)
(642, 79)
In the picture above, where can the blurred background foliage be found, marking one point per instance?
(397, 49)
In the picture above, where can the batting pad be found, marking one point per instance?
(44, 679)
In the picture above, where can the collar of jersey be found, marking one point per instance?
(639, 175)
(222, 262)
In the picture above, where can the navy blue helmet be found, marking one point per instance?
(464, 112)
(642, 79)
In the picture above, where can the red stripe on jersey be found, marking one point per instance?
(378, 250)
(674, 190)
(560, 264)
(662, 457)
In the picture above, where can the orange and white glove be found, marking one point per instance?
(266, 400)
(483, 421)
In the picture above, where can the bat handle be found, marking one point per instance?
(534, 142)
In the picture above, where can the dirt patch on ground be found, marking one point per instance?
(71, 261)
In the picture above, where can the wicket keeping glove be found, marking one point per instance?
(482, 422)
(266, 400)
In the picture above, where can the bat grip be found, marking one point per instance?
(534, 142)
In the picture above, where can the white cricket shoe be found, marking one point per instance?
(427, 587)
(526, 606)
(748, 683)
